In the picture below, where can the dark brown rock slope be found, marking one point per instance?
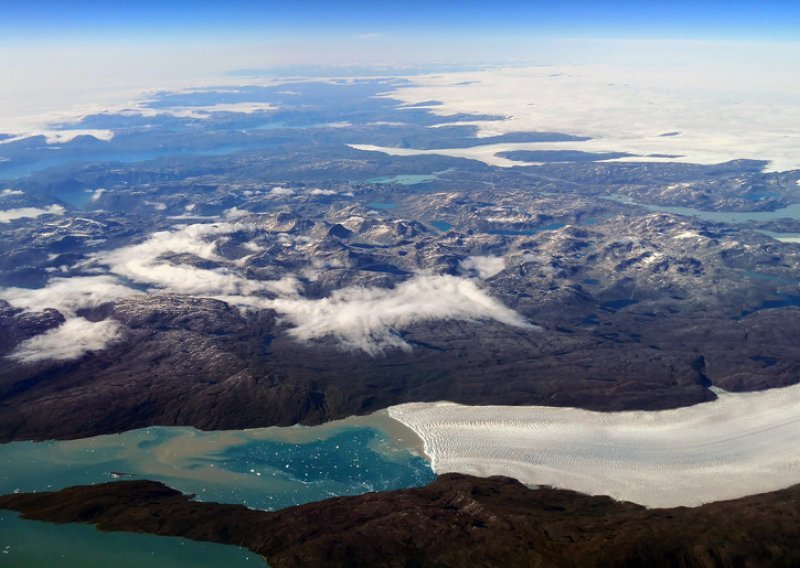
(199, 362)
(457, 520)
(637, 313)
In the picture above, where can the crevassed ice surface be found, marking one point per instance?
(740, 444)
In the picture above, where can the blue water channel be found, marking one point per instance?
(269, 468)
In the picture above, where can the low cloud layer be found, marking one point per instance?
(484, 266)
(144, 262)
(69, 341)
(68, 295)
(280, 190)
(361, 318)
(76, 336)
(369, 318)
(28, 212)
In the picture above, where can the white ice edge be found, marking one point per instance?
(740, 444)
(709, 115)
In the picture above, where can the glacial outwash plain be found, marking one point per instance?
(508, 315)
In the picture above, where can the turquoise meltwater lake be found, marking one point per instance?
(267, 468)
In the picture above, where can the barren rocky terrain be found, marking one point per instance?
(455, 521)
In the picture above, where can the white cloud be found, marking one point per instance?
(144, 263)
(71, 340)
(157, 205)
(369, 318)
(191, 239)
(232, 213)
(485, 266)
(288, 286)
(76, 335)
(360, 318)
(280, 190)
(184, 279)
(29, 213)
(9, 191)
(317, 191)
(68, 295)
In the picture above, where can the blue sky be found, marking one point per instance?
(248, 20)
(72, 51)
(64, 58)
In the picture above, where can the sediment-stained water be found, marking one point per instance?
(267, 468)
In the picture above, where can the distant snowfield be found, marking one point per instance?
(704, 109)
(694, 115)
(740, 444)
